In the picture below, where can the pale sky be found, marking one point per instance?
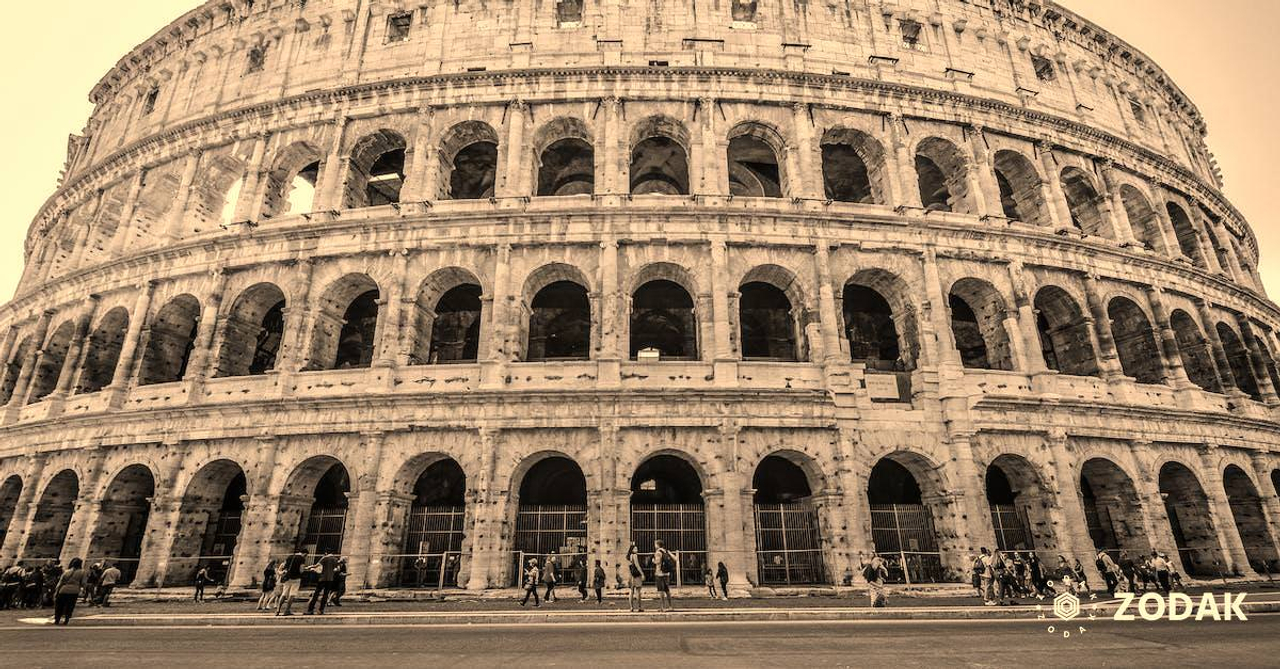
(1222, 54)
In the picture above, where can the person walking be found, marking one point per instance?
(339, 583)
(549, 577)
(1082, 580)
(664, 566)
(1129, 571)
(987, 577)
(532, 579)
(709, 579)
(110, 577)
(67, 591)
(876, 573)
(1160, 565)
(268, 586)
(999, 575)
(976, 570)
(327, 569)
(1108, 569)
(202, 579)
(635, 580)
(597, 581)
(583, 576)
(722, 575)
(290, 580)
(1037, 575)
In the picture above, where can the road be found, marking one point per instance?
(897, 644)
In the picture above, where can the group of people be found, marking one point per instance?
(282, 579)
(549, 573)
(1001, 577)
(31, 587)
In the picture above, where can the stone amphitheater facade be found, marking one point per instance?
(441, 285)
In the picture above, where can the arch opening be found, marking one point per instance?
(1251, 521)
(377, 169)
(560, 323)
(209, 523)
(942, 175)
(1066, 340)
(667, 506)
(1183, 229)
(1143, 219)
(551, 517)
(171, 341)
(1021, 189)
(324, 523)
(102, 351)
(788, 532)
(469, 161)
(1193, 349)
(853, 168)
(753, 167)
(768, 328)
(1238, 360)
(13, 368)
(977, 322)
(1112, 509)
(1135, 341)
(663, 318)
(1187, 508)
(567, 167)
(436, 527)
(253, 332)
(122, 522)
(49, 369)
(1018, 503)
(902, 521)
(10, 491)
(1084, 203)
(659, 159)
(346, 325)
(48, 530)
(291, 183)
(454, 332)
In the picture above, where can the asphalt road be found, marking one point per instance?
(896, 644)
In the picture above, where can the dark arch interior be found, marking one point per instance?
(666, 479)
(554, 481)
(766, 322)
(1193, 349)
(173, 334)
(103, 354)
(560, 323)
(1186, 233)
(1190, 520)
(892, 483)
(662, 317)
(1135, 341)
(999, 489)
(455, 333)
(935, 194)
(9, 493)
(1251, 521)
(753, 168)
(52, 519)
(968, 334)
(1238, 360)
(1111, 506)
(659, 165)
(475, 170)
(359, 329)
(386, 179)
(869, 326)
(332, 488)
(442, 483)
(567, 168)
(1065, 340)
(780, 481)
(845, 175)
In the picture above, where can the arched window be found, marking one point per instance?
(753, 165)
(1238, 359)
(879, 323)
(346, 327)
(1065, 339)
(377, 170)
(659, 158)
(291, 183)
(977, 322)
(49, 369)
(853, 167)
(767, 325)
(253, 332)
(1084, 203)
(942, 176)
(1135, 341)
(663, 318)
(469, 160)
(1193, 349)
(1021, 191)
(560, 323)
(567, 167)
(455, 332)
(1186, 233)
(102, 352)
(173, 334)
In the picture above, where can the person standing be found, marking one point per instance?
(1161, 566)
(327, 569)
(582, 575)
(1108, 569)
(531, 583)
(635, 580)
(202, 579)
(1129, 571)
(976, 569)
(92, 577)
(110, 577)
(876, 573)
(549, 577)
(339, 583)
(67, 591)
(268, 585)
(987, 577)
(1037, 575)
(290, 579)
(722, 575)
(1078, 569)
(597, 582)
(664, 566)
(709, 579)
(999, 572)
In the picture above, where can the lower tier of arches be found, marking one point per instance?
(778, 506)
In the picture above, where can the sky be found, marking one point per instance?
(1223, 54)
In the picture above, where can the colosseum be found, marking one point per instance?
(438, 286)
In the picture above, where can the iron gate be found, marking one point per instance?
(1013, 532)
(903, 535)
(682, 529)
(432, 546)
(220, 544)
(324, 531)
(545, 529)
(788, 545)
(1101, 529)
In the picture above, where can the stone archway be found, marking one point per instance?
(789, 543)
(1187, 507)
(1112, 509)
(904, 507)
(667, 505)
(435, 530)
(48, 529)
(1251, 521)
(208, 525)
(551, 512)
(1019, 506)
(122, 521)
(10, 491)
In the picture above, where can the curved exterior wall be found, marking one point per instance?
(1071, 296)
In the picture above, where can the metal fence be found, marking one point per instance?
(788, 545)
(903, 535)
(1013, 532)
(324, 531)
(433, 535)
(682, 529)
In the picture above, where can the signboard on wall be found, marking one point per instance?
(882, 386)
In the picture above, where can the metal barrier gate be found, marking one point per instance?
(545, 529)
(682, 529)
(324, 531)
(788, 545)
(903, 535)
(432, 547)
(1013, 532)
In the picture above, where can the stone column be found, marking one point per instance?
(125, 225)
(394, 328)
(163, 522)
(121, 380)
(1257, 361)
(517, 168)
(1224, 520)
(612, 160)
(982, 177)
(1071, 530)
(857, 510)
(259, 518)
(1207, 248)
(806, 180)
(1108, 358)
(386, 546)
(293, 343)
(902, 167)
(1159, 202)
(1059, 212)
(333, 170)
(88, 510)
(74, 356)
(831, 349)
(611, 326)
(722, 318)
(249, 203)
(1175, 374)
(1266, 491)
(6, 351)
(203, 361)
(498, 339)
(1114, 210)
(610, 533)
(362, 558)
(1027, 329)
(711, 157)
(420, 159)
(175, 222)
(734, 507)
(485, 534)
(938, 314)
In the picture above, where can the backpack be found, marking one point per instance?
(668, 562)
(870, 573)
(978, 566)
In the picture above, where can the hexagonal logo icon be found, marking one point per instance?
(1066, 606)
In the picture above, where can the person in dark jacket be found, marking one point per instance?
(268, 586)
(68, 590)
(93, 575)
(597, 582)
(581, 572)
(339, 583)
(202, 579)
(722, 575)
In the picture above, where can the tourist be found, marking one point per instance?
(635, 580)
(52, 572)
(1037, 575)
(988, 597)
(11, 587)
(722, 575)
(976, 569)
(664, 567)
(202, 579)
(1129, 571)
(92, 576)
(67, 591)
(339, 583)
(999, 576)
(268, 586)
(532, 580)
(327, 569)
(110, 577)
(597, 582)
(290, 579)
(1108, 569)
(1082, 580)
(581, 572)
(1066, 574)
(876, 573)
(1160, 565)
(549, 577)
(710, 580)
